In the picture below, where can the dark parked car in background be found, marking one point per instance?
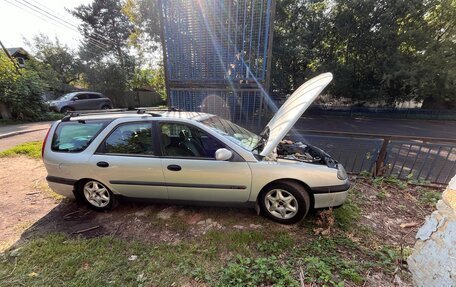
(80, 101)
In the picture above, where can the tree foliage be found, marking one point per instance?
(379, 51)
(58, 58)
(21, 92)
(117, 35)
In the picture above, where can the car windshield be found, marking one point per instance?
(233, 132)
(66, 97)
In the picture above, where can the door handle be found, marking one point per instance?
(102, 164)
(174, 167)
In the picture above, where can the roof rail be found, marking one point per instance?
(141, 110)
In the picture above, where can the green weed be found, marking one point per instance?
(261, 271)
(347, 215)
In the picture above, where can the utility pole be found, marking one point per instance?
(9, 56)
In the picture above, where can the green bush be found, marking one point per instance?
(21, 90)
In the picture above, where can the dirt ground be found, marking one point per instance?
(389, 213)
(23, 200)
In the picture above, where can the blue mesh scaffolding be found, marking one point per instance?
(216, 54)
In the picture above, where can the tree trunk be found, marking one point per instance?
(4, 111)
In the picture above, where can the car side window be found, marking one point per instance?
(93, 96)
(82, 96)
(182, 140)
(132, 138)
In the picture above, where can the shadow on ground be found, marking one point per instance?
(143, 222)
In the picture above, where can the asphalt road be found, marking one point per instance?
(398, 127)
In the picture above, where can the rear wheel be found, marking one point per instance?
(285, 202)
(97, 195)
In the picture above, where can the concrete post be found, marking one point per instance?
(433, 261)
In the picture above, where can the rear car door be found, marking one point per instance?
(191, 171)
(94, 102)
(126, 161)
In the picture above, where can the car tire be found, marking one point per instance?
(285, 202)
(106, 107)
(96, 195)
(65, 110)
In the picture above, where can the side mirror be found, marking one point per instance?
(223, 154)
(75, 98)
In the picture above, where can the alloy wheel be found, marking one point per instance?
(96, 194)
(281, 203)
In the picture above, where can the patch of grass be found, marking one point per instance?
(387, 257)
(239, 241)
(281, 243)
(381, 195)
(56, 260)
(30, 149)
(347, 215)
(365, 173)
(390, 180)
(429, 197)
(323, 264)
(261, 271)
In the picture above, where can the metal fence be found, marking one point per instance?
(213, 40)
(240, 106)
(217, 54)
(421, 161)
(428, 160)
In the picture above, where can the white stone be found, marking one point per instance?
(433, 261)
(166, 213)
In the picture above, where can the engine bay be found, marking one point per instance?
(288, 149)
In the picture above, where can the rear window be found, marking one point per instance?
(76, 136)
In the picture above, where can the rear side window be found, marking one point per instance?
(94, 96)
(132, 138)
(76, 136)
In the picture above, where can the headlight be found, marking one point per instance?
(341, 173)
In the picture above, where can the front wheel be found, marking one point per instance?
(285, 202)
(97, 196)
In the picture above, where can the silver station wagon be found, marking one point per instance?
(196, 158)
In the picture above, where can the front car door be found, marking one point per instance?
(81, 102)
(126, 161)
(191, 171)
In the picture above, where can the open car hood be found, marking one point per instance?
(291, 111)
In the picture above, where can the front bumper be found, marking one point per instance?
(329, 196)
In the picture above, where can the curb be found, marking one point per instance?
(20, 133)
